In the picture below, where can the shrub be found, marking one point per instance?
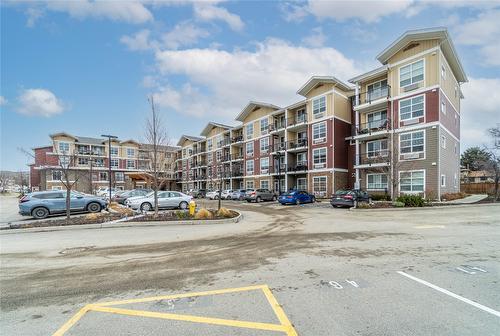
(453, 196)
(182, 214)
(398, 204)
(92, 216)
(411, 200)
(203, 214)
(224, 213)
(381, 197)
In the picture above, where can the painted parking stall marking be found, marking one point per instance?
(471, 270)
(344, 284)
(284, 326)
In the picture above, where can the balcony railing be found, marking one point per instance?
(300, 120)
(300, 166)
(237, 156)
(277, 126)
(367, 97)
(299, 143)
(278, 147)
(373, 126)
(238, 138)
(274, 169)
(375, 157)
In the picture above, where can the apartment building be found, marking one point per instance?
(406, 133)
(393, 130)
(87, 160)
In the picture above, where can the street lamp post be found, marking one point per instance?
(109, 160)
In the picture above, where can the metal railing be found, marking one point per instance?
(238, 138)
(375, 157)
(373, 95)
(299, 143)
(302, 120)
(373, 126)
(300, 166)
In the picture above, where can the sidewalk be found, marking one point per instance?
(469, 199)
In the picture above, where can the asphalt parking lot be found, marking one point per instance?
(308, 270)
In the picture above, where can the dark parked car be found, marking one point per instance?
(121, 197)
(296, 197)
(346, 198)
(198, 193)
(43, 203)
(259, 195)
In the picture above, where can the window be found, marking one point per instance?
(64, 161)
(218, 156)
(319, 107)
(130, 152)
(114, 151)
(411, 73)
(99, 162)
(443, 180)
(376, 181)
(411, 108)
(377, 90)
(103, 176)
(443, 72)
(249, 131)
(249, 148)
(319, 185)
(220, 141)
(210, 158)
(455, 180)
(114, 163)
(411, 142)
(301, 116)
(83, 161)
(209, 144)
(249, 184)
(56, 175)
(249, 167)
(377, 119)
(264, 184)
(264, 165)
(264, 145)
(319, 131)
(302, 183)
(412, 181)
(264, 126)
(376, 148)
(119, 176)
(130, 164)
(63, 147)
(319, 157)
(443, 107)
(443, 141)
(302, 159)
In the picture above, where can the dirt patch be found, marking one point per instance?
(80, 220)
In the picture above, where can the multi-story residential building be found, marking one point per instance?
(395, 130)
(87, 161)
(406, 133)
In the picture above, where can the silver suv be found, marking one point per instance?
(260, 195)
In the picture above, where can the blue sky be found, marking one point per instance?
(87, 67)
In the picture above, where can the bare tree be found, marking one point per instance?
(4, 180)
(68, 176)
(492, 165)
(156, 138)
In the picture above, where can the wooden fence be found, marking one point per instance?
(478, 188)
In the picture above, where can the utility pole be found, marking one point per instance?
(109, 160)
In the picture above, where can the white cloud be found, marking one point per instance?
(39, 102)
(3, 101)
(126, 11)
(209, 11)
(137, 42)
(34, 13)
(292, 12)
(316, 39)
(184, 33)
(222, 82)
(479, 110)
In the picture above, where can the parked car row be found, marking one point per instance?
(166, 200)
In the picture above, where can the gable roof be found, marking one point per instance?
(370, 74)
(211, 125)
(252, 106)
(440, 34)
(188, 137)
(315, 80)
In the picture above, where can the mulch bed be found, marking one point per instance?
(178, 216)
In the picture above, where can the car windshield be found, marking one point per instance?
(342, 192)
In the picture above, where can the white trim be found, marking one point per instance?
(341, 119)
(412, 118)
(326, 184)
(326, 157)
(268, 184)
(326, 130)
(401, 88)
(342, 170)
(374, 189)
(312, 108)
(443, 179)
(424, 146)
(414, 93)
(412, 171)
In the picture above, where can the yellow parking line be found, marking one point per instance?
(72, 321)
(289, 329)
(179, 296)
(192, 318)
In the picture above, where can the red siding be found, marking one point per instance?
(340, 151)
(450, 120)
(431, 112)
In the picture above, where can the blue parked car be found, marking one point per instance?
(296, 197)
(43, 203)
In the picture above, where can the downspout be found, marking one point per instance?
(356, 127)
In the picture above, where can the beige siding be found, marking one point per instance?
(449, 84)
(342, 107)
(216, 131)
(257, 114)
(319, 90)
(421, 47)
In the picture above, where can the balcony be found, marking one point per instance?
(237, 139)
(380, 158)
(237, 156)
(278, 147)
(237, 173)
(373, 98)
(277, 126)
(373, 128)
(274, 170)
(297, 122)
(297, 145)
(300, 167)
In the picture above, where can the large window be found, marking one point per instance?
(264, 126)
(83, 161)
(376, 181)
(376, 148)
(63, 147)
(249, 167)
(411, 73)
(411, 108)
(119, 176)
(114, 151)
(377, 90)
(319, 185)
(209, 144)
(302, 183)
(319, 157)
(412, 181)
(103, 176)
(249, 131)
(114, 163)
(130, 152)
(264, 165)
(319, 131)
(319, 107)
(249, 148)
(411, 142)
(264, 184)
(56, 175)
(264, 145)
(130, 164)
(249, 185)
(377, 119)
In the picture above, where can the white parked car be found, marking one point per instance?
(104, 192)
(166, 199)
(212, 195)
(226, 194)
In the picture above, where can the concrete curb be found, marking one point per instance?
(120, 223)
(454, 206)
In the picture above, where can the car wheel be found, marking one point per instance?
(241, 198)
(94, 207)
(313, 199)
(146, 207)
(216, 197)
(274, 198)
(249, 201)
(333, 205)
(40, 213)
(183, 205)
(258, 199)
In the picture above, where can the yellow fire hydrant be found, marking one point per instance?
(192, 207)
